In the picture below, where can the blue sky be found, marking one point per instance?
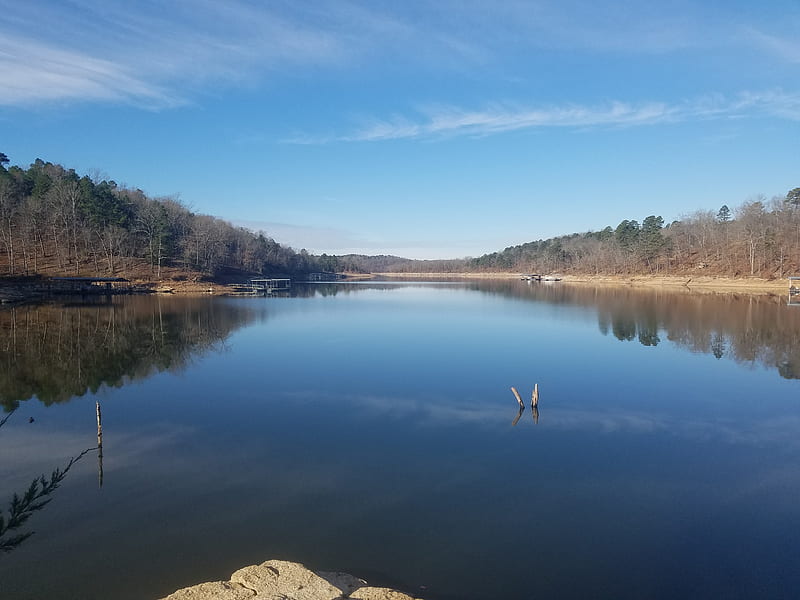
(423, 129)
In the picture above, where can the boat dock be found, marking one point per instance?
(538, 277)
(794, 291)
(264, 286)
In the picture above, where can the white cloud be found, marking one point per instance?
(333, 240)
(68, 75)
(154, 56)
(499, 118)
(161, 54)
(786, 49)
(313, 239)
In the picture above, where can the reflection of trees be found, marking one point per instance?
(624, 328)
(747, 329)
(57, 352)
(38, 494)
(35, 498)
(757, 329)
(718, 345)
(311, 290)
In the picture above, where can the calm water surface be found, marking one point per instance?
(369, 428)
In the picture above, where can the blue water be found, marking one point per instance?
(368, 428)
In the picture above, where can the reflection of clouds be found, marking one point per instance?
(605, 421)
(127, 449)
(752, 432)
(745, 431)
(31, 451)
(436, 412)
(28, 452)
(780, 483)
(433, 411)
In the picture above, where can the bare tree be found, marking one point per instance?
(9, 209)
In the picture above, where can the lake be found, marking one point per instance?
(370, 428)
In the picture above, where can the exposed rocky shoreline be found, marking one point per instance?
(283, 580)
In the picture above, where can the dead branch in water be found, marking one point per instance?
(516, 395)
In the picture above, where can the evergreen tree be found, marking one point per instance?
(793, 197)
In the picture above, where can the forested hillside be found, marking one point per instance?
(759, 238)
(55, 221)
(360, 263)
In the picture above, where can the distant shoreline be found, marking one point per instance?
(747, 285)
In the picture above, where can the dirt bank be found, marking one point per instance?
(749, 285)
(745, 285)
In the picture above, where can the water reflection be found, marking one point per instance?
(38, 494)
(756, 329)
(410, 389)
(56, 352)
(534, 405)
(746, 329)
(534, 413)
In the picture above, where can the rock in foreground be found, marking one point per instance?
(282, 580)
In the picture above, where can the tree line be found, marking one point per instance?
(758, 238)
(54, 220)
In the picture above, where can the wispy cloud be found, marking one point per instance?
(786, 49)
(315, 239)
(62, 74)
(155, 56)
(342, 241)
(444, 122)
(161, 54)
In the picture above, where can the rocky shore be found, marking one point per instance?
(282, 580)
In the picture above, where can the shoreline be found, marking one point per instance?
(704, 284)
(12, 292)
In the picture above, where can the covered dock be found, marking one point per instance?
(794, 291)
(264, 286)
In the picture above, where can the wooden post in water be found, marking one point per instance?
(535, 395)
(516, 395)
(99, 445)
